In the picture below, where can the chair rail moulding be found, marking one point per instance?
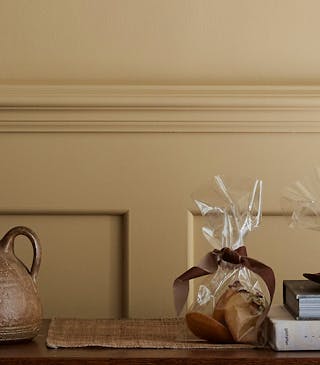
(159, 108)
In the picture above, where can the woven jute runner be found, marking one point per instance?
(126, 333)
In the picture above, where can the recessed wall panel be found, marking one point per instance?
(81, 268)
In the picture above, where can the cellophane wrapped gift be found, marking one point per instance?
(232, 302)
(301, 202)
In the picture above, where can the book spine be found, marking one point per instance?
(294, 335)
(291, 301)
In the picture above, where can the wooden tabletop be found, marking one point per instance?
(36, 352)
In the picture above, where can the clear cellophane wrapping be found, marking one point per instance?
(301, 201)
(231, 304)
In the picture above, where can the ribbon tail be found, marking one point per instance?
(207, 265)
(264, 271)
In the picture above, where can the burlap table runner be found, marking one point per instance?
(126, 333)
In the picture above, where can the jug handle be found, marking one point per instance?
(8, 241)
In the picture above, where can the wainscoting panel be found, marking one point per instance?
(105, 174)
(82, 257)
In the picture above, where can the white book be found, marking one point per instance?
(285, 333)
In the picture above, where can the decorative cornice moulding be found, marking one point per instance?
(160, 109)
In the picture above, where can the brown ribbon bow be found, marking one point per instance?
(209, 264)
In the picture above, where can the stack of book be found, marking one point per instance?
(296, 325)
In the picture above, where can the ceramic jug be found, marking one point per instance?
(20, 307)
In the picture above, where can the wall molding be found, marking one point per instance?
(159, 109)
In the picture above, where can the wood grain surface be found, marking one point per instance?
(36, 352)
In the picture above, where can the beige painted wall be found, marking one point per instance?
(104, 175)
(160, 41)
(71, 188)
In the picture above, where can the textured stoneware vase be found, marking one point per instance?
(20, 307)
